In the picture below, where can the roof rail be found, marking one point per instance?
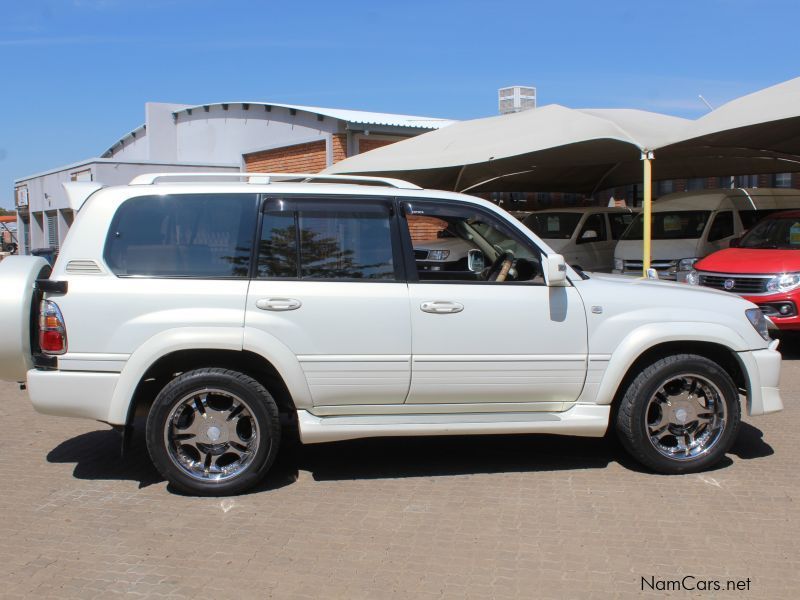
(266, 178)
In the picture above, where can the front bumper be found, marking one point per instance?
(81, 394)
(763, 372)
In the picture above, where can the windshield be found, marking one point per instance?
(774, 233)
(677, 225)
(553, 226)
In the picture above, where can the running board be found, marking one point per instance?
(589, 420)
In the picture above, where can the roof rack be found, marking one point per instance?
(266, 178)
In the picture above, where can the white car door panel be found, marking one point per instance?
(510, 343)
(352, 339)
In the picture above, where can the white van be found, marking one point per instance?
(584, 236)
(690, 225)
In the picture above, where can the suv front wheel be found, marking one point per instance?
(680, 414)
(213, 432)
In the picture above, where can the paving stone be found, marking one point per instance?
(479, 517)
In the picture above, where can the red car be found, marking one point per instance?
(763, 266)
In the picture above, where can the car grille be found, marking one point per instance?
(420, 254)
(662, 266)
(737, 284)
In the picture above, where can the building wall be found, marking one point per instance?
(425, 228)
(299, 158)
(339, 147)
(365, 144)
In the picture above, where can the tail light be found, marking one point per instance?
(52, 330)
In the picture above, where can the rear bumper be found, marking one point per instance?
(81, 394)
(764, 372)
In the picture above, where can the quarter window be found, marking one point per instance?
(322, 240)
(722, 226)
(186, 235)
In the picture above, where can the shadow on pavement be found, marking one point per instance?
(96, 456)
(750, 443)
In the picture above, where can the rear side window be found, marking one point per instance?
(328, 240)
(183, 235)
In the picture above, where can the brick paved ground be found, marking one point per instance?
(416, 518)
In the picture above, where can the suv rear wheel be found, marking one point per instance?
(213, 432)
(680, 414)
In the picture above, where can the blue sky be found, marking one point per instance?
(76, 73)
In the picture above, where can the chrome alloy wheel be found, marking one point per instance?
(211, 435)
(685, 416)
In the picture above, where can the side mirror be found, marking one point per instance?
(555, 270)
(589, 234)
(476, 262)
(734, 243)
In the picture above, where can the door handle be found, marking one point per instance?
(278, 304)
(441, 307)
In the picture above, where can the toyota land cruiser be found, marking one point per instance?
(222, 306)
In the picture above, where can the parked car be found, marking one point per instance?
(763, 267)
(8, 235)
(584, 236)
(686, 226)
(221, 310)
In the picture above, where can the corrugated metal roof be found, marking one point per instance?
(343, 114)
(131, 134)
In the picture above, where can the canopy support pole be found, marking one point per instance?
(647, 206)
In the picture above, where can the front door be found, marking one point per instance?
(329, 286)
(495, 334)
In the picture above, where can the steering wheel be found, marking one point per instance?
(498, 271)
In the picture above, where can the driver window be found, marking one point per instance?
(593, 230)
(455, 242)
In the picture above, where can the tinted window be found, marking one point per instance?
(553, 225)
(470, 246)
(619, 223)
(751, 217)
(186, 235)
(677, 225)
(316, 241)
(595, 223)
(722, 226)
(783, 233)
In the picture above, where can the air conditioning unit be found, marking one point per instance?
(22, 196)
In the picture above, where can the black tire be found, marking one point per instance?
(640, 415)
(257, 414)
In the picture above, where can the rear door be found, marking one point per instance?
(329, 284)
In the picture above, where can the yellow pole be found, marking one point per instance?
(647, 206)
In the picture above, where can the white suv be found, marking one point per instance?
(216, 308)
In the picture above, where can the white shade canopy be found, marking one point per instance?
(555, 148)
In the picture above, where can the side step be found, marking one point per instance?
(589, 420)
